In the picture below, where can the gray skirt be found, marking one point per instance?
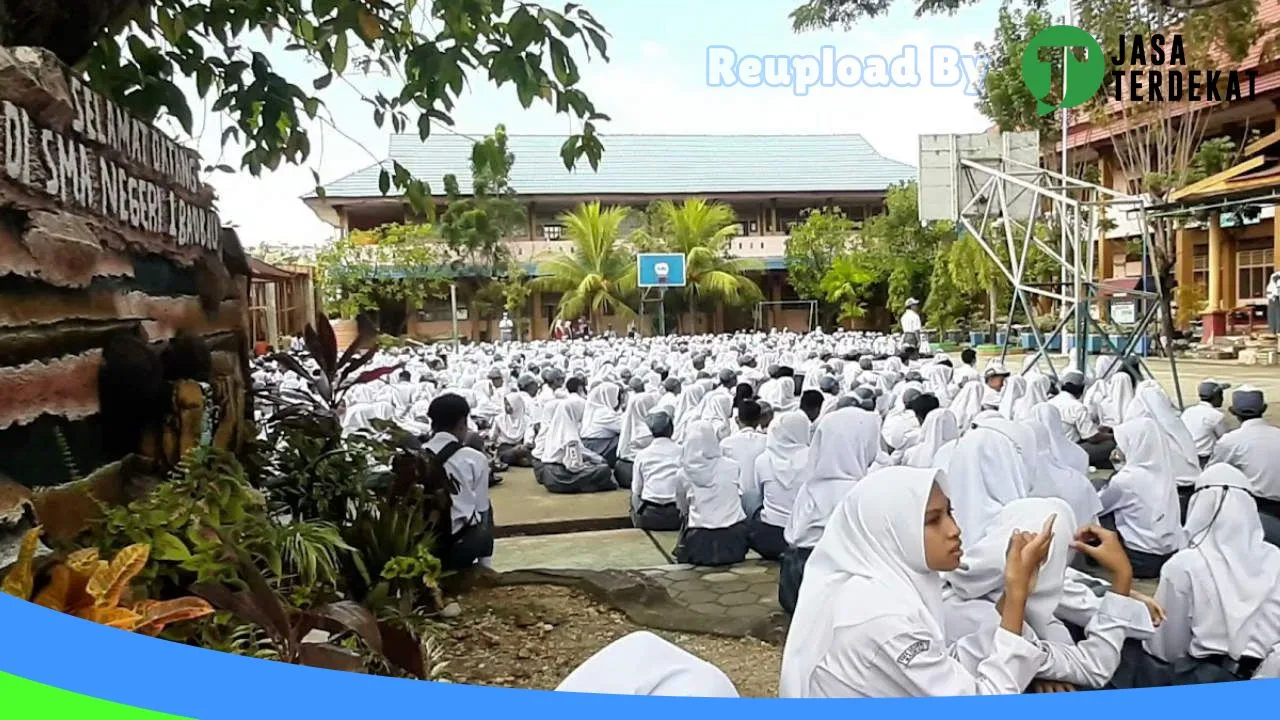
(623, 471)
(713, 547)
(606, 448)
(559, 479)
(656, 517)
(767, 540)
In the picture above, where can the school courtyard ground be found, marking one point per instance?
(572, 575)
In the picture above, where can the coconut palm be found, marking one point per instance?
(599, 273)
(702, 230)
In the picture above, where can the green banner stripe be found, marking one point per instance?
(24, 699)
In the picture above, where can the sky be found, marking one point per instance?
(656, 82)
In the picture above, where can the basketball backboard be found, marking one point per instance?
(658, 270)
(946, 188)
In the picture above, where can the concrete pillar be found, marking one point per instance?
(1106, 250)
(1184, 261)
(536, 323)
(773, 215)
(1229, 299)
(1215, 263)
(529, 219)
(273, 316)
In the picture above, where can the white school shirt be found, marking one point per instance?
(1206, 424)
(744, 446)
(776, 499)
(1144, 526)
(470, 469)
(654, 473)
(1254, 449)
(1077, 421)
(910, 321)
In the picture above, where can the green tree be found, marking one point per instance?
(390, 263)
(701, 231)
(946, 304)
(599, 274)
(824, 235)
(138, 53)
(476, 226)
(899, 249)
(849, 286)
(973, 272)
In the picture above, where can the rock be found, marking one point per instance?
(450, 611)
(1247, 356)
(524, 654)
(33, 78)
(548, 627)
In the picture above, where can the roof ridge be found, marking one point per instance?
(466, 135)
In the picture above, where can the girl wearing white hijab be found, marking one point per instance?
(1143, 498)
(1149, 401)
(1110, 404)
(510, 430)
(567, 465)
(707, 492)
(777, 480)
(973, 592)
(688, 403)
(644, 664)
(1052, 479)
(602, 423)
(634, 436)
(986, 472)
(870, 619)
(360, 417)
(966, 404)
(1064, 451)
(717, 409)
(939, 428)
(781, 394)
(1015, 389)
(1221, 594)
(843, 449)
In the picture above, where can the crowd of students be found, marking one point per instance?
(941, 529)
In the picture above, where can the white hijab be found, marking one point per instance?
(717, 409)
(513, 423)
(644, 664)
(787, 447)
(869, 564)
(635, 435)
(967, 404)
(1015, 388)
(1225, 536)
(844, 446)
(361, 416)
(1150, 402)
(1053, 479)
(564, 431)
(1148, 474)
(940, 427)
(986, 473)
(1064, 451)
(601, 418)
(1114, 399)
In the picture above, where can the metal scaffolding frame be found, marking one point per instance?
(1006, 199)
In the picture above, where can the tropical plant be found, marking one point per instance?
(475, 225)
(824, 235)
(701, 231)
(97, 590)
(391, 263)
(150, 55)
(598, 275)
(899, 249)
(848, 286)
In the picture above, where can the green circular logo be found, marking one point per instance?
(1081, 80)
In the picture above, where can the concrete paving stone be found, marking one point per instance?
(749, 570)
(745, 611)
(708, 608)
(599, 550)
(520, 500)
(737, 599)
(697, 597)
(687, 585)
(730, 587)
(719, 577)
(677, 575)
(771, 600)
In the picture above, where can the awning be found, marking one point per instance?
(266, 271)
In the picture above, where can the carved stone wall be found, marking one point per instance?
(106, 231)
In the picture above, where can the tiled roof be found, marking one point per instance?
(652, 165)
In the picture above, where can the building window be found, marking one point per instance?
(553, 232)
(1253, 269)
(1200, 271)
(753, 227)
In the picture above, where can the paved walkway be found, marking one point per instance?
(523, 507)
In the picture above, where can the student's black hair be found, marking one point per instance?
(448, 412)
(749, 413)
(923, 405)
(744, 391)
(405, 376)
(575, 385)
(811, 400)
(968, 356)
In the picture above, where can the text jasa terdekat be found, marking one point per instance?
(1154, 68)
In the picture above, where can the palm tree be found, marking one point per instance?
(701, 230)
(599, 273)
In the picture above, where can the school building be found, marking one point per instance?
(768, 180)
(1227, 249)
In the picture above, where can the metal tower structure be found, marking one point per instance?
(993, 188)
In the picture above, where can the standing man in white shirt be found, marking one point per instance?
(1205, 420)
(911, 324)
(470, 538)
(506, 328)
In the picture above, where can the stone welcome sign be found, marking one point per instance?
(110, 248)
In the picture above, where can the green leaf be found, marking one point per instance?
(384, 181)
(168, 547)
(340, 53)
(323, 81)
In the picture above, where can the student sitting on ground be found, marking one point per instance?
(1142, 498)
(510, 430)
(634, 436)
(776, 479)
(743, 447)
(567, 465)
(707, 491)
(1254, 449)
(471, 516)
(1205, 420)
(602, 422)
(1221, 595)
(1079, 424)
(869, 621)
(653, 479)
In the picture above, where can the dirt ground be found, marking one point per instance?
(533, 636)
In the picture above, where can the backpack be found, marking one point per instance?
(425, 471)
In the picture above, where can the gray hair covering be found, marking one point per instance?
(636, 385)
(660, 424)
(527, 382)
(1248, 400)
(671, 385)
(1075, 377)
(909, 395)
(866, 398)
(828, 385)
(728, 377)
